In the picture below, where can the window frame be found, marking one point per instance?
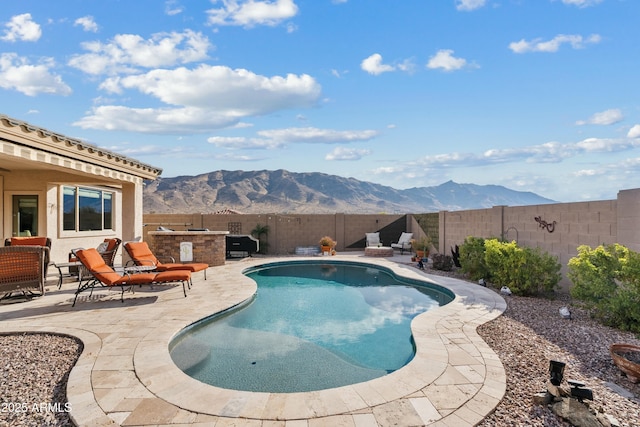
(77, 188)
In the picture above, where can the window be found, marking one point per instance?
(87, 209)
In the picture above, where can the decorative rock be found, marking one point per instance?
(564, 312)
(576, 413)
(542, 398)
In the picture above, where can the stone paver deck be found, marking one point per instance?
(125, 375)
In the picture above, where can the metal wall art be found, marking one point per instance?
(549, 226)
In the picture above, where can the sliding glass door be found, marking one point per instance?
(25, 215)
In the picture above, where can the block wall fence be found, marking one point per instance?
(557, 228)
(287, 232)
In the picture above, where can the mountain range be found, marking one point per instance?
(281, 191)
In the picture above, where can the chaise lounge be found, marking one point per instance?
(105, 276)
(141, 255)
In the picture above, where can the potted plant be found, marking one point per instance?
(421, 246)
(327, 244)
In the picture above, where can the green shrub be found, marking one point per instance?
(442, 262)
(472, 258)
(594, 272)
(607, 280)
(525, 271)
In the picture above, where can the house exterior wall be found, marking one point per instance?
(36, 161)
(127, 214)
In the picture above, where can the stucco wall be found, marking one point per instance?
(46, 184)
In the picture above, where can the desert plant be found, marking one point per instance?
(455, 254)
(594, 272)
(327, 241)
(607, 281)
(421, 244)
(258, 231)
(472, 258)
(442, 262)
(526, 271)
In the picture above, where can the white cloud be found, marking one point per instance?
(207, 97)
(249, 13)
(172, 7)
(277, 138)
(445, 60)
(128, 52)
(607, 117)
(242, 143)
(582, 3)
(18, 74)
(634, 132)
(21, 27)
(87, 23)
(553, 45)
(550, 152)
(373, 65)
(588, 172)
(467, 5)
(315, 135)
(343, 153)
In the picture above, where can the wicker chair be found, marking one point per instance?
(22, 270)
(32, 241)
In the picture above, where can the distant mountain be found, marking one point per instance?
(281, 191)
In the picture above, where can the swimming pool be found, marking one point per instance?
(312, 325)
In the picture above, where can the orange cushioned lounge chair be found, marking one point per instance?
(103, 275)
(142, 255)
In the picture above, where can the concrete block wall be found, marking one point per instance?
(286, 232)
(566, 226)
(555, 228)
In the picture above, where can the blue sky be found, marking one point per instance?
(535, 95)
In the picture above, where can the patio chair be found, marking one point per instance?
(103, 275)
(33, 241)
(106, 249)
(141, 255)
(22, 269)
(373, 239)
(403, 243)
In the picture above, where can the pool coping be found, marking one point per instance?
(127, 376)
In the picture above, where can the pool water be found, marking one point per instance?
(311, 326)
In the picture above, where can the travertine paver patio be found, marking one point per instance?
(125, 375)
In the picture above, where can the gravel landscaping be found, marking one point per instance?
(34, 367)
(33, 379)
(530, 334)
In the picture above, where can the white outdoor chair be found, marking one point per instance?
(403, 243)
(373, 239)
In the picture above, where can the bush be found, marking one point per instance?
(526, 271)
(607, 280)
(594, 272)
(442, 262)
(472, 258)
